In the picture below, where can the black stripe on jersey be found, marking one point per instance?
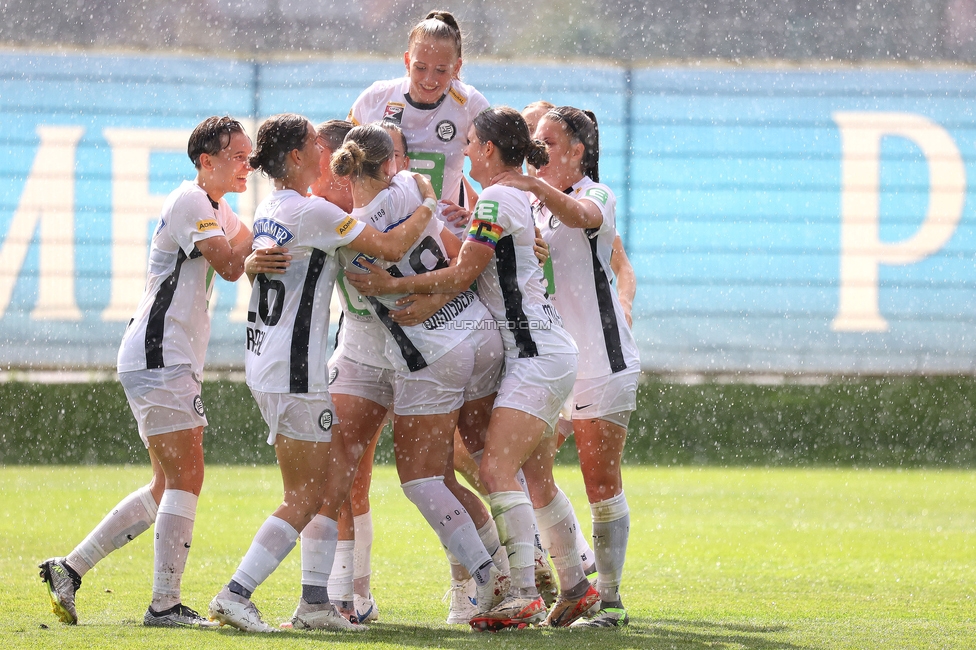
(411, 355)
(298, 361)
(157, 315)
(515, 317)
(608, 317)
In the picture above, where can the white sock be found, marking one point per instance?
(489, 537)
(129, 519)
(272, 543)
(585, 552)
(558, 527)
(611, 528)
(513, 516)
(174, 532)
(449, 519)
(319, 540)
(340, 582)
(361, 568)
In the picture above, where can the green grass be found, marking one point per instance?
(758, 559)
(863, 422)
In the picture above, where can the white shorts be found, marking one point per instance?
(164, 400)
(611, 397)
(488, 364)
(348, 377)
(538, 386)
(299, 416)
(438, 388)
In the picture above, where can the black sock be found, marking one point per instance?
(236, 588)
(315, 595)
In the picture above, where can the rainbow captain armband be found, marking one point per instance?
(485, 232)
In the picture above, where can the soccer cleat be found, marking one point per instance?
(492, 592)
(322, 617)
(178, 615)
(464, 605)
(366, 610)
(228, 608)
(568, 610)
(605, 617)
(62, 583)
(544, 581)
(513, 612)
(346, 609)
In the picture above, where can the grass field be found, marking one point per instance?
(764, 559)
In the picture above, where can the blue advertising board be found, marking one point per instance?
(783, 221)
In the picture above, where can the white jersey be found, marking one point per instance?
(361, 337)
(288, 315)
(513, 288)
(412, 348)
(584, 293)
(436, 133)
(171, 325)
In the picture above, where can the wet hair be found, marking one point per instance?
(333, 132)
(581, 127)
(211, 136)
(439, 25)
(363, 153)
(392, 128)
(505, 127)
(278, 136)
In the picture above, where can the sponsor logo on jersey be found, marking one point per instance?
(597, 193)
(273, 230)
(343, 228)
(458, 97)
(446, 131)
(486, 211)
(198, 405)
(393, 112)
(333, 373)
(450, 311)
(325, 420)
(207, 224)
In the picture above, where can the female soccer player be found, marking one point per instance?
(440, 365)
(576, 215)
(432, 106)
(285, 366)
(540, 368)
(160, 363)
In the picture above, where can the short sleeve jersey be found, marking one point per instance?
(584, 294)
(361, 337)
(412, 348)
(288, 314)
(436, 133)
(513, 287)
(171, 325)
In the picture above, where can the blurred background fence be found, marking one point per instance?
(780, 219)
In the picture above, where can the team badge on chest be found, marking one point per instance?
(446, 131)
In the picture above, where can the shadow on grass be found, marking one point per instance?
(654, 634)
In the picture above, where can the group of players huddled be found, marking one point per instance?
(475, 319)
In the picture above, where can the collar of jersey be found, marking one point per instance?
(424, 107)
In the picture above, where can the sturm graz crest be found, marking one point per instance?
(333, 374)
(325, 420)
(198, 405)
(446, 131)
(553, 222)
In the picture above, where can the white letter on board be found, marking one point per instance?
(133, 207)
(861, 248)
(48, 198)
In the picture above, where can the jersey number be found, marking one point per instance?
(428, 245)
(270, 313)
(430, 165)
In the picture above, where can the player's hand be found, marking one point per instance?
(423, 184)
(267, 260)
(418, 307)
(517, 180)
(454, 214)
(540, 248)
(377, 282)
